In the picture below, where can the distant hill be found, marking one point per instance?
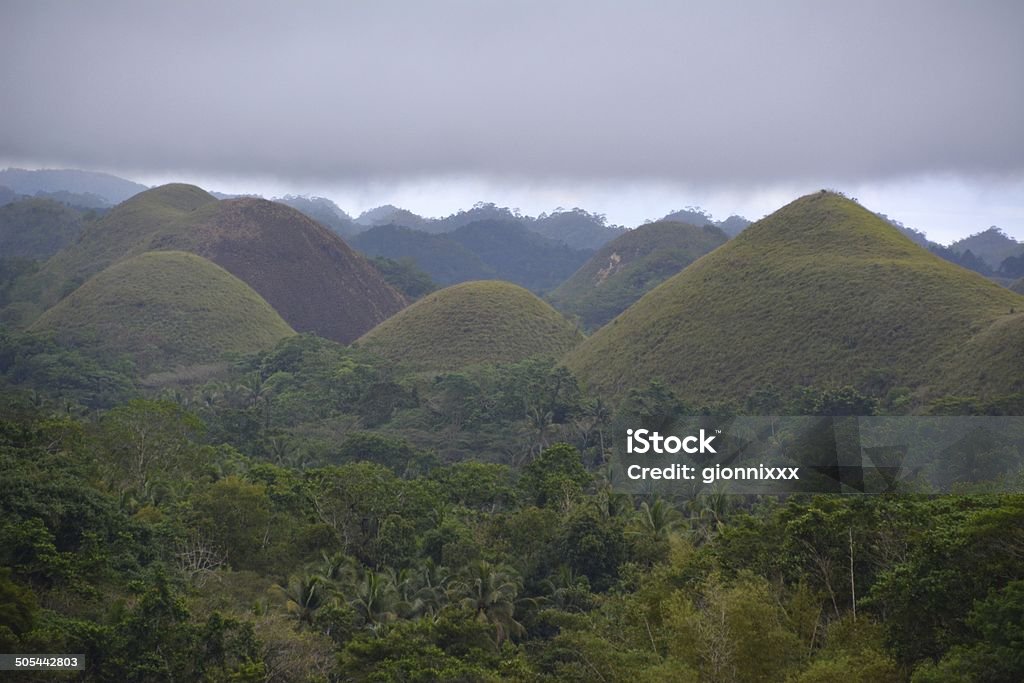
(111, 188)
(323, 211)
(821, 292)
(164, 309)
(733, 225)
(480, 250)
(1018, 286)
(446, 261)
(993, 246)
(35, 228)
(519, 255)
(993, 241)
(473, 322)
(576, 228)
(308, 274)
(694, 215)
(630, 266)
(392, 215)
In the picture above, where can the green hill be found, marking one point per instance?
(473, 322)
(35, 228)
(630, 266)
(822, 292)
(309, 275)
(164, 309)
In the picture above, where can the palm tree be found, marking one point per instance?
(375, 600)
(491, 592)
(304, 595)
(659, 519)
(567, 589)
(708, 512)
(432, 587)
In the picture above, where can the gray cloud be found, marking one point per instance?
(710, 93)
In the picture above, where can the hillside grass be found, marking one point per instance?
(821, 292)
(470, 323)
(628, 267)
(164, 309)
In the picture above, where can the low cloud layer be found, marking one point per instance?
(724, 93)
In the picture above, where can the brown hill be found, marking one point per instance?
(308, 274)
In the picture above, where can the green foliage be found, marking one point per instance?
(995, 650)
(17, 612)
(396, 454)
(404, 276)
(555, 477)
(37, 363)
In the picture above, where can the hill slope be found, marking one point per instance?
(821, 292)
(309, 275)
(164, 309)
(630, 266)
(473, 322)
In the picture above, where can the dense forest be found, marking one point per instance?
(313, 513)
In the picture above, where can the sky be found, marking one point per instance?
(628, 109)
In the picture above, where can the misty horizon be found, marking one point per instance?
(631, 112)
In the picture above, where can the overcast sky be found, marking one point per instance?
(628, 108)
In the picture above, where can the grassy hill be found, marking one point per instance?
(309, 275)
(165, 309)
(630, 266)
(35, 228)
(473, 322)
(822, 292)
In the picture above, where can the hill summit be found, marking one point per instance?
(308, 274)
(164, 309)
(473, 322)
(821, 292)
